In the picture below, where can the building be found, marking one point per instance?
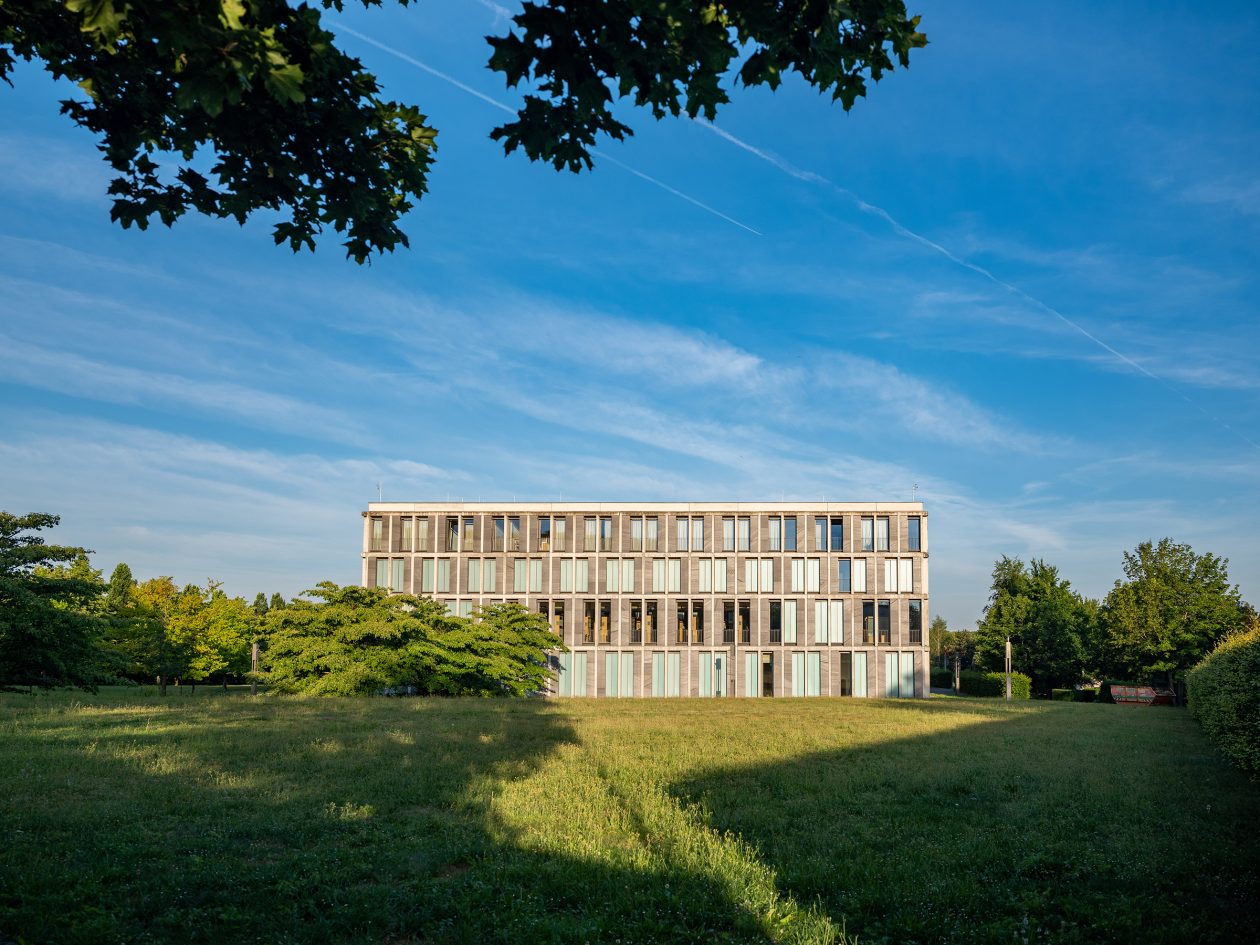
(683, 598)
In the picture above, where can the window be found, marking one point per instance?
(776, 621)
(868, 622)
(557, 537)
(776, 534)
(705, 575)
(846, 674)
(557, 618)
(582, 576)
(612, 575)
(469, 524)
(868, 534)
(828, 621)
(605, 621)
(745, 534)
(859, 575)
(544, 533)
(408, 529)
(728, 534)
(535, 575)
(377, 542)
(496, 543)
(881, 534)
(846, 576)
(636, 534)
(422, 534)
(905, 575)
(697, 534)
(745, 622)
(789, 533)
(820, 534)
(789, 621)
(813, 575)
(452, 534)
(605, 534)
(914, 533)
(636, 621)
(750, 574)
(767, 575)
(620, 575)
(566, 574)
(520, 575)
(650, 613)
(837, 534)
(798, 575)
(473, 584)
(651, 533)
(682, 524)
(481, 575)
(465, 608)
(444, 575)
(588, 621)
(591, 533)
(675, 575)
(658, 575)
(719, 575)
(728, 621)
(916, 621)
(680, 635)
(382, 572)
(697, 620)
(426, 576)
(885, 622)
(514, 534)
(890, 575)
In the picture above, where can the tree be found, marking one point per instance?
(154, 650)
(937, 637)
(213, 631)
(121, 583)
(356, 640)
(1044, 619)
(277, 602)
(1170, 612)
(230, 107)
(48, 633)
(260, 604)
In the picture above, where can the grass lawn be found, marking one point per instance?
(213, 818)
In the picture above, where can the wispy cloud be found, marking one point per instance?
(32, 165)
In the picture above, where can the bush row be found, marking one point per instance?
(942, 678)
(1224, 694)
(977, 683)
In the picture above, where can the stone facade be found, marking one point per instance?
(683, 598)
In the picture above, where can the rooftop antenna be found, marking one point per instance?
(379, 497)
(914, 493)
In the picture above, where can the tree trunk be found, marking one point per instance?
(161, 684)
(225, 680)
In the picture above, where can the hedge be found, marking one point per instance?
(1062, 695)
(1224, 695)
(977, 683)
(942, 678)
(1085, 694)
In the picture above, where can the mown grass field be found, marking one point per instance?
(211, 818)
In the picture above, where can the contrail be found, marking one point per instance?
(801, 174)
(502, 106)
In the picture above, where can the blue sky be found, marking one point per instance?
(1021, 275)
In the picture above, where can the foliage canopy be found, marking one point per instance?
(230, 107)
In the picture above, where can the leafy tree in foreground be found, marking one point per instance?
(1044, 617)
(356, 640)
(154, 650)
(229, 107)
(1170, 612)
(48, 634)
(214, 632)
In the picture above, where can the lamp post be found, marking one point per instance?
(1008, 669)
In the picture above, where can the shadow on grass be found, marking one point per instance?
(274, 820)
(313, 821)
(1056, 823)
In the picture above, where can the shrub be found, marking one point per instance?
(977, 683)
(1061, 695)
(1085, 695)
(1224, 693)
(942, 678)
